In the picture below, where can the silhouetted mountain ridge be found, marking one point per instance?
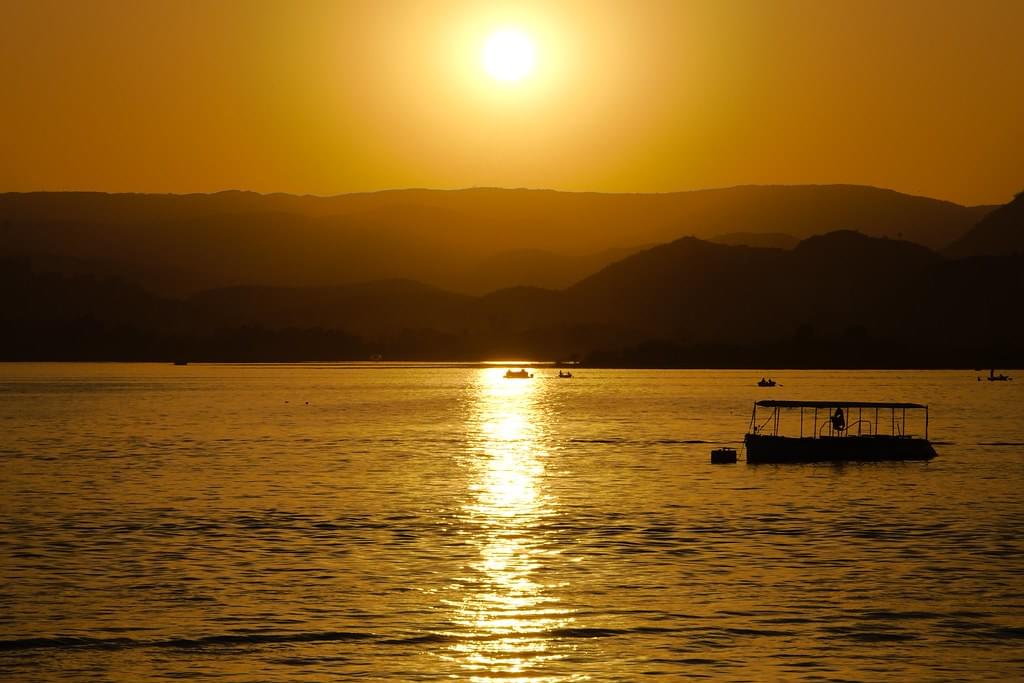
(698, 291)
(844, 298)
(998, 233)
(774, 240)
(464, 240)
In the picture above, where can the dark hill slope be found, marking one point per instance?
(1000, 232)
(688, 289)
(698, 291)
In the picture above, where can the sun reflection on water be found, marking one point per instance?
(507, 617)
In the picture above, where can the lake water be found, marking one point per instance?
(318, 522)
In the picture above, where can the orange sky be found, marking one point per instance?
(921, 96)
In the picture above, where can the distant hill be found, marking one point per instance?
(774, 240)
(248, 277)
(843, 299)
(536, 268)
(373, 309)
(471, 241)
(697, 291)
(998, 233)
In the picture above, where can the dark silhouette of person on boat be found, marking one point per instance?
(838, 420)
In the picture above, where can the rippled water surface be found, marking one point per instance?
(314, 523)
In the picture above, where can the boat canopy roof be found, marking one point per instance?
(834, 404)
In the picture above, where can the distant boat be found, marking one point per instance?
(181, 362)
(766, 382)
(517, 374)
(564, 375)
(993, 377)
(835, 433)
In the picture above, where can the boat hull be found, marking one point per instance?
(782, 449)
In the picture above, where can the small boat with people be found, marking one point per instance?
(766, 382)
(564, 374)
(518, 374)
(816, 431)
(993, 377)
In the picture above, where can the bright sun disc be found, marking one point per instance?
(509, 55)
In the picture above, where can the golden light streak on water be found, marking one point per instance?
(506, 613)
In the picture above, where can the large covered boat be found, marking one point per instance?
(814, 431)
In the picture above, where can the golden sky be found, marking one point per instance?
(921, 96)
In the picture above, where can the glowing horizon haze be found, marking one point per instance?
(320, 97)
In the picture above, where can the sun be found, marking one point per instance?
(509, 55)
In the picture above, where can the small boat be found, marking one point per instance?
(564, 375)
(831, 430)
(766, 382)
(181, 362)
(517, 374)
(993, 377)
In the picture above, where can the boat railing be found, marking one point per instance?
(825, 426)
(759, 428)
(858, 427)
(863, 427)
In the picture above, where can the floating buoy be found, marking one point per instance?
(723, 456)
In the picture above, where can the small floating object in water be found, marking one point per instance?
(766, 382)
(723, 456)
